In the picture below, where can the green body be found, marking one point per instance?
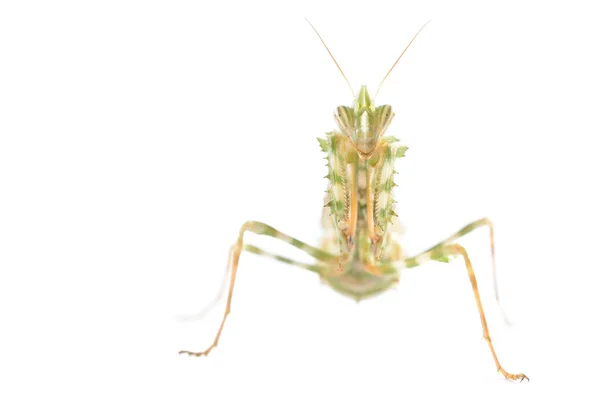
(359, 208)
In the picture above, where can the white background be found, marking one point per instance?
(136, 137)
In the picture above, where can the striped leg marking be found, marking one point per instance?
(483, 222)
(255, 250)
(442, 252)
(234, 258)
(263, 229)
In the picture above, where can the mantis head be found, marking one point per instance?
(364, 123)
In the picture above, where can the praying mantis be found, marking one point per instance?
(360, 255)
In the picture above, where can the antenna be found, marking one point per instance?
(332, 57)
(398, 59)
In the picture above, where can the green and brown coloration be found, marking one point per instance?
(360, 255)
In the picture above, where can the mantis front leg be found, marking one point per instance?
(234, 258)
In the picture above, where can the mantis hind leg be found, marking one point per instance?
(446, 249)
(255, 250)
(480, 223)
(233, 262)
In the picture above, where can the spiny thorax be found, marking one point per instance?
(360, 197)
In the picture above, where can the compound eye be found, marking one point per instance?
(345, 116)
(386, 111)
(384, 114)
